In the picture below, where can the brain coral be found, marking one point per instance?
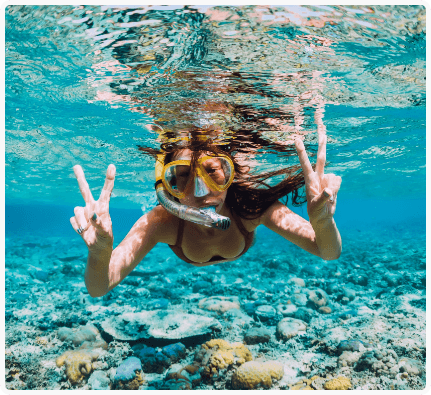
(223, 354)
(253, 374)
(340, 383)
(78, 364)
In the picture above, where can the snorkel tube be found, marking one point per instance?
(204, 216)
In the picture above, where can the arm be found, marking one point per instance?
(320, 239)
(328, 239)
(106, 269)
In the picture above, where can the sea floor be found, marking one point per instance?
(359, 319)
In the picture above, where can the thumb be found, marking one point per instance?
(323, 197)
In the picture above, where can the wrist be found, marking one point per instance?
(322, 222)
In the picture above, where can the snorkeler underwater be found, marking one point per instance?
(215, 197)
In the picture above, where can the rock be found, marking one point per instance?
(152, 361)
(99, 381)
(410, 366)
(41, 275)
(349, 293)
(253, 374)
(345, 315)
(392, 279)
(304, 314)
(317, 298)
(345, 300)
(340, 383)
(299, 299)
(348, 358)
(78, 336)
(257, 335)
(219, 303)
(290, 327)
(237, 317)
(174, 352)
(324, 310)
(249, 307)
(351, 345)
(128, 369)
(359, 279)
(158, 304)
(201, 285)
(298, 281)
(265, 312)
(159, 324)
(287, 310)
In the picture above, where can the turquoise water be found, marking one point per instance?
(74, 86)
(86, 85)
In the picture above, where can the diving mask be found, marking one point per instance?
(175, 177)
(216, 171)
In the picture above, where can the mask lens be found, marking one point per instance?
(177, 176)
(218, 169)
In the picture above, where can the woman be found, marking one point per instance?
(203, 184)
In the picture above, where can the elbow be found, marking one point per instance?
(332, 256)
(96, 294)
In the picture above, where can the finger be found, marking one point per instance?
(321, 155)
(83, 185)
(105, 195)
(333, 182)
(325, 196)
(96, 221)
(303, 159)
(74, 224)
(81, 220)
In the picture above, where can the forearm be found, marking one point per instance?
(328, 239)
(97, 272)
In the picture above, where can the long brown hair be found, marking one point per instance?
(250, 195)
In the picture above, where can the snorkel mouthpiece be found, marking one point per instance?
(206, 216)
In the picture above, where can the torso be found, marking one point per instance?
(201, 248)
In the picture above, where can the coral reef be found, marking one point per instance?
(128, 375)
(252, 374)
(218, 354)
(339, 383)
(78, 364)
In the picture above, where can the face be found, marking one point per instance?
(197, 192)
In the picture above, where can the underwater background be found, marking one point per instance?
(87, 85)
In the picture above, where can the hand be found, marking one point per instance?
(97, 230)
(321, 189)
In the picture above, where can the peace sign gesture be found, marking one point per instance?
(321, 189)
(93, 221)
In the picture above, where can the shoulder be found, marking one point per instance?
(274, 213)
(162, 225)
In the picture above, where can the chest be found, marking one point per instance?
(202, 248)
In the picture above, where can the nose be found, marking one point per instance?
(201, 188)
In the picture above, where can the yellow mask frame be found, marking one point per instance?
(199, 172)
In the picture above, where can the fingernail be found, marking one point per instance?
(94, 217)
